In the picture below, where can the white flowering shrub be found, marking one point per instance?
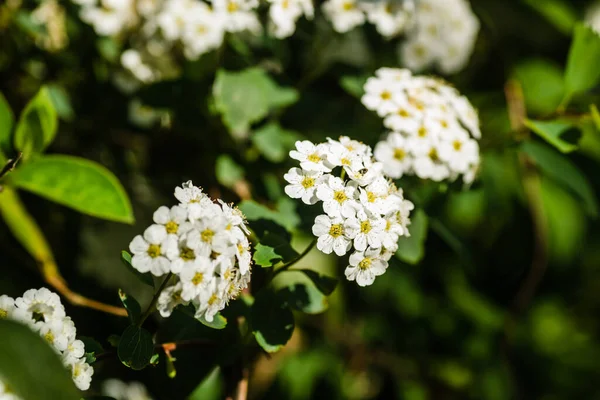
(42, 311)
(363, 212)
(433, 129)
(424, 168)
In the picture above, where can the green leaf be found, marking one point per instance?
(254, 211)
(61, 101)
(274, 142)
(31, 367)
(324, 283)
(582, 71)
(228, 172)
(92, 348)
(218, 322)
(135, 347)
(246, 97)
(83, 185)
(7, 120)
(280, 245)
(543, 85)
(564, 172)
(37, 125)
(211, 387)
(354, 85)
(551, 132)
(265, 256)
(558, 12)
(271, 320)
(131, 305)
(145, 278)
(305, 298)
(411, 249)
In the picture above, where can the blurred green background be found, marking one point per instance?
(448, 326)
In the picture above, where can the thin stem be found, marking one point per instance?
(286, 266)
(10, 165)
(152, 306)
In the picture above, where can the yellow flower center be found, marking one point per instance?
(49, 337)
(154, 250)
(172, 227)
(388, 225)
(207, 235)
(422, 132)
(336, 230)
(403, 113)
(340, 196)
(187, 254)
(444, 123)
(308, 182)
(433, 155)
(314, 157)
(385, 95)
(3, 313)
(348, 6)
(198, 278)
(365, 226)
(365, 263)
(232, 7)
(371, 197)
(345, 161)
(201, 29)
(457, 145)
(213, 299)
(399, 154)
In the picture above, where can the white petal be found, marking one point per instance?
(155, 234)
(162, 215)
(138, 245)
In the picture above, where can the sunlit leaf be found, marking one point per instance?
(31, 367)
(7, 121)
(218, 322)
(228, 172)
(265, 256)
(543, 85)
(551, 132)
(78, 183)
(37, 125)
(582, 71)
(559, 13)
(274, 142)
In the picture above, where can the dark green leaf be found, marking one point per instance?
(246, 97)
(31, 367)
(37, 125)
(543, 85)
(261, 227)
(265, 256)
(228, 171)
(559, 13)
(7, 120)
(552, 132)
(411, 249)
(283, 216)
(145, 278)
(114, 340)
(354, 85)
(135, 347)
(305, 298)
(131, 305)
(83, 185)
(324, 283)
(280, 245)
(582, 71)
(274, 142)
(218, 322)
(92, 348)
(271, 320)
(563, 171)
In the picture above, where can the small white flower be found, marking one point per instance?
(389, 17)
(312, 157)
(174, 219)
(332, 235)
(195, 278)
(345, 15)
(208, 235)
(82, 374)
(303, 184)
(394, 155)
(338, 198)
(212, 300)
(74, 351)
(150, 250)
(120, 390)
(380, 96)
(365, 266)
(189, 194)
(342, 156)
(365, 229)
(41, 305)
(170, 298)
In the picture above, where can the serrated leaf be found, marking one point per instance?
(31, 367)
(246, 97)
(7, 120)
(324, 283)
(305, 298)
(274, 142)
(218, 322)
(131, 305)
(411, 249)
(145, 278)
(265, 256)
(271, 320)
(228, 172)
(135, 348)
(563, 171)
(37, 125)
(552, 132)
(582, 72)
(83, 185)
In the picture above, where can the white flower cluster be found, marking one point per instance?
(43, 312)
(158, 28)
(203, 244)
(439, 33)
(363, 209)
(433, 128)
(443, 35)
(120, 390)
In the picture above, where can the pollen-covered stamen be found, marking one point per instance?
(49, 336)
(371, 197)
(198, 278)
(336, 230)
(457, 145)
(365, 263)
(399, 154)
(172, 227)
(340, 196)
(154, 250)
(365, 226)
(187, 254)
(207, 235)
(308, 182)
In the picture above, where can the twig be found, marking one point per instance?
(286, 266)
(10, 165)
(168, 346)
(152, 306)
